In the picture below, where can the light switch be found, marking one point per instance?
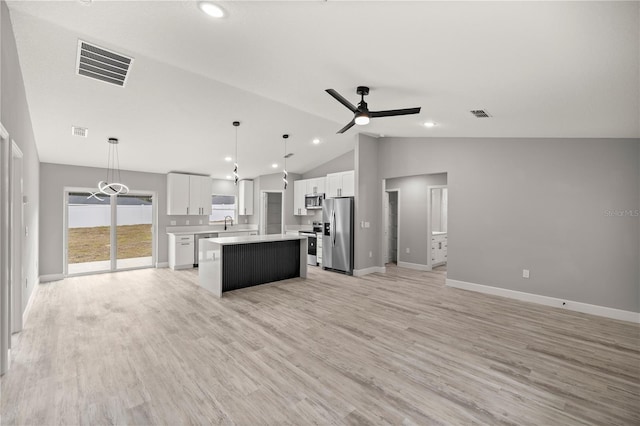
(525, 273)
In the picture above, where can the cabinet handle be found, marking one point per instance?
(187, 210)
(440, 245)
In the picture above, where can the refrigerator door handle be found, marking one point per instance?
(333, 229)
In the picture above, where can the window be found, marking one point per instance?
(221, 206)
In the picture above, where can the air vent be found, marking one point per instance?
(83, 132)
(480, 113)
(101, 64)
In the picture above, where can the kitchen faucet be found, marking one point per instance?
(225, 222)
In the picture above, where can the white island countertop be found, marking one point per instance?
(248, 239)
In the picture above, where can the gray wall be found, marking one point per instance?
(368, 202)
(15, 117)
(413, 210)
(539, 204)
(274, 182)
(55, 177)
(339, 164)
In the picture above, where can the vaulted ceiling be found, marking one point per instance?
(541, 69)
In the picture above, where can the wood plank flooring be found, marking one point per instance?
(151, 347)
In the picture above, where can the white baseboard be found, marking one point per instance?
(416, 266)
(51, 277)
(27, 308)
(162, 264)
(585, 308)
(370, 270)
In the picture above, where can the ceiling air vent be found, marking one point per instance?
(79, 131)
(480, 113)
(101, 64)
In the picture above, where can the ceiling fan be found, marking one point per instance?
(362, 113)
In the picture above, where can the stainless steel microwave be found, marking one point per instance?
(313, 201)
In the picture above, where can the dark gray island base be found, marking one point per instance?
(232, 263)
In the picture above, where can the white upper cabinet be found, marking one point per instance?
(316, 186)
(299, 191)
(245, 197)
(177, 194)
(341, 184)
(188, 194)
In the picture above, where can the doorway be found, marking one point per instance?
(16, 224)
(438, 226)
(272, 212)
(108, 233)
(391, 221)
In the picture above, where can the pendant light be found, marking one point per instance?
(113, 184)
(284, 171)
(236, 124)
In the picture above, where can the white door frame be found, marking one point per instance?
(429, 224)
(263, 210)
(386, 221)
(17, 243)
(113, 237)
(5, 258)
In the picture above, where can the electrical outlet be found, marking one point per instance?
(200, 221)
(408, 250)
(525, 273)
(367, 224)
(187, 222)
(246, 221)
(173, 223)
(308, 222)
(370, 254)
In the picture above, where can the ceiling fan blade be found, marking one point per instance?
(392, 112)
(347, 127)
(338, 97)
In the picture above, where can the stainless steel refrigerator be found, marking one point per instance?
(337, 234)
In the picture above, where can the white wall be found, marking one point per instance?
(16, 118)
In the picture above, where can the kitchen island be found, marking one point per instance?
(232, 263)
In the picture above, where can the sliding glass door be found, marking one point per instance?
(108, 233)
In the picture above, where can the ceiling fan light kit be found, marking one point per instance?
(361, 113)
(111, 186)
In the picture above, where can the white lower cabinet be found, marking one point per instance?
(438, 249)
(181, 251)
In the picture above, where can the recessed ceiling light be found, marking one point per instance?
(211, 9)
(429, 124)
(316, 141)
(274, 165)
(227, 158)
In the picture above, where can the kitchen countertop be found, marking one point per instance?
(211, 231)
(249, 239)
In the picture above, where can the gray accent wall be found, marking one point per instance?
(339, 164)
(16, 118)
(539, 204)
(53, 180)
(368, 204)
(412, 212)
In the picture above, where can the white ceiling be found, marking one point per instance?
(542, 69)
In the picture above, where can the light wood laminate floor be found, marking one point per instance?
(151, 347)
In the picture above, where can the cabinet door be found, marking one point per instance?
(177, 194)
(334, 183)
(321, 184)
(184, 253)
(195, 189)
(348, 184)
(245, 197)
(311, 186)
(299, 189)
(206, 191)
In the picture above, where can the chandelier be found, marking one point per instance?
(113, 184)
